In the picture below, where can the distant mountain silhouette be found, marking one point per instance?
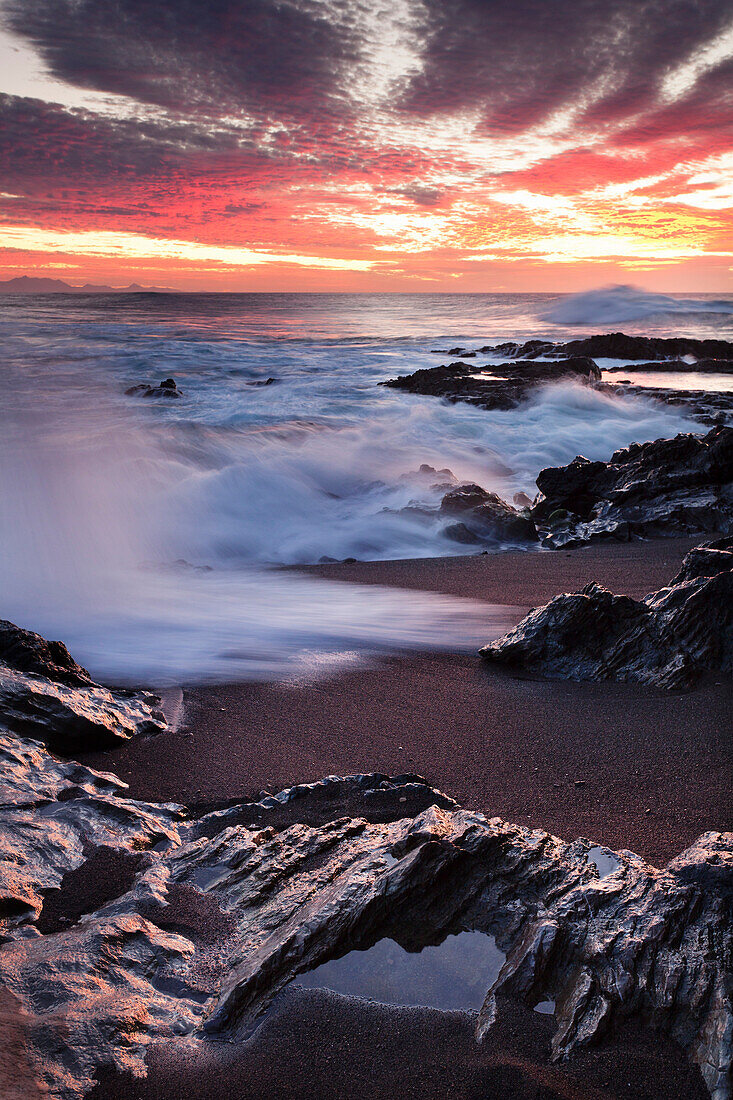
(26, 284)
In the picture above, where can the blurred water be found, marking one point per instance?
(100, 492)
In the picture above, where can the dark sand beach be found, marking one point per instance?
(625, 765)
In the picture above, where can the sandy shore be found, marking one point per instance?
(625, 765)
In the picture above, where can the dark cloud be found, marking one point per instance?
(292, 61)
(420, 195)
(518, 62)
(205, 54)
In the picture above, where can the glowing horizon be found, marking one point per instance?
(324, 145)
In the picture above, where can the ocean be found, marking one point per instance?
(147, 534)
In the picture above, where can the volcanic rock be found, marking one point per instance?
(486, 516)
(502, 386)
(617, 345)
(166, 388)
(669, 639)
(290, 882)
(666, 487)
(45, 693)
(28, 652)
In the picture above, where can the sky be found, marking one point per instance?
(407, 145)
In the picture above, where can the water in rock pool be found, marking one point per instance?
(144, 531)
(454, 975)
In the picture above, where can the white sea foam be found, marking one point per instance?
(617, 305)
(100, 493)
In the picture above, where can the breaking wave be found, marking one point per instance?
(616, 305)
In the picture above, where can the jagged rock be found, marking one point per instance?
(485, 516)
(667, 487)
(667, 640)
(45, 693)
(502, 386)
(617, 345)
(28, 652)
(296, 882)
(166, 388)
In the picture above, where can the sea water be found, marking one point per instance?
(147, 533)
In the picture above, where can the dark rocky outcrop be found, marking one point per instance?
(502, 386)
(29, 652)
(226, 909)
(668, 640)
(46, 694)
(617, 345)
(166, 388)
(679, 366)
(484, 515)
(669, 486)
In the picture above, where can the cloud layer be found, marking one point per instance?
(462, 140)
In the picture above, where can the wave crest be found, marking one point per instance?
(614, 305)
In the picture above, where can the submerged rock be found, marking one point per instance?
(46, 694)
(669, 639)
(667, 487)
(166, 388)
(290, 882)
(500, 386)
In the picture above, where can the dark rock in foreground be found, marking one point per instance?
(667, 487)
(310, 874)
(29, 652)
(45, 692)
(667, 640)
(500, 386)
(166, 388)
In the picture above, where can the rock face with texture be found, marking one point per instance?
(668, 640)
(500, 386)
(44, 691)
(486, 516)
(92, 972)
(668, 487)
(296, 881)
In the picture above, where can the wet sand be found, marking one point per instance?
(625, 765)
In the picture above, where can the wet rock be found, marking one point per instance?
(667, 487)
(278, 899)
(617, 345)
(167, 389)
(669, 639)
(678, 366)
(26, 651)
(263, 382)
(46, 694)
(513, 382)
(521, 500)
(485, 516)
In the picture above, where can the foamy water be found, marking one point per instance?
(100, 493)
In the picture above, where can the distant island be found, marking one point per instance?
(26, 284)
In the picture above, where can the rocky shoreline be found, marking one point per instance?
(274, 887)
(521, 368)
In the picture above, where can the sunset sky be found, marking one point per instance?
(349, 145)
